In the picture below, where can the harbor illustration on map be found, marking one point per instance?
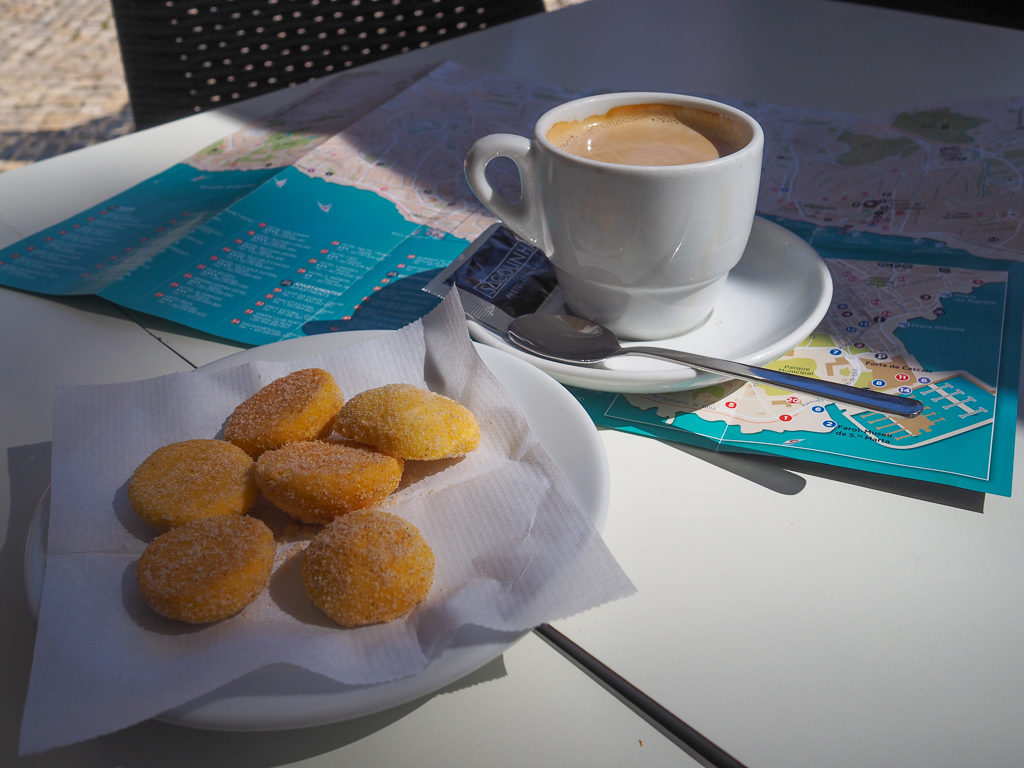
(901, 328)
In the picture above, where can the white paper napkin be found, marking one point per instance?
(512, 546)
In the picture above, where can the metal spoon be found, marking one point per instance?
(570, 339)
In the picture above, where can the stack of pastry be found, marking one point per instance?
(322, 460)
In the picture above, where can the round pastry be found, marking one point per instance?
(192, 479)
(368, 567)
(316, 481)
(299, 406)
(409, 422)
(206, 570)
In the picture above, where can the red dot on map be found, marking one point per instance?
(412, 256)
(159, 294)
(15, 255)
(90, 218)
(200, 266)
(235, 321)
(48, 239)
(174, 284)
(376, 287)
(312, 261)
(262, 224)
(238, 240)
(248, 311)
(62, 232)
(335, 242)
(269, 296)
(301, 270)
(259, 303)
(347, 317)
(187, 275)
(730, 404)
(251, 232)
(324, 250)
(75, 226)
(226, 249)
(401, 266)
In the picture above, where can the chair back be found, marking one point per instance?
(185, 56)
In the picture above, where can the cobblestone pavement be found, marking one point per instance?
(61, 81)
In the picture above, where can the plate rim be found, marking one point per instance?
(209, 712)
(684, 378)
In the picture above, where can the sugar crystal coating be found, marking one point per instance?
(316, 481)
(299, 406)
(368, 567)
(409, 422)
(191, 479)
(206, 570)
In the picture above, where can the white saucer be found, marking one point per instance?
(283, 696)
(771, 301)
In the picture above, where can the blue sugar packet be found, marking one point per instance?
(500, 277)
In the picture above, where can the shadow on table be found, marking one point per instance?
(785, 476)
(133, 747)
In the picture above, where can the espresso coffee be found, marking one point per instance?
(646, 134)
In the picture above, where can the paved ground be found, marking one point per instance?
(61, 82)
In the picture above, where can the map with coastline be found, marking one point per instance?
(944, 329)
(335, 213)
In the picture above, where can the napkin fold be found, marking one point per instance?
(513, 546)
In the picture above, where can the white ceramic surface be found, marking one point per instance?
(284, 696)
(771, 301)
(642, 249)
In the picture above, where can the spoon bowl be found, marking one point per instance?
(574, 340)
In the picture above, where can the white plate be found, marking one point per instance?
(284, 696)
(771, 301)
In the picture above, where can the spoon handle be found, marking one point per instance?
(868, 398)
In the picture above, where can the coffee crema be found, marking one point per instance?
(644, 134)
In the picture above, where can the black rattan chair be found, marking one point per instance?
(185, 56)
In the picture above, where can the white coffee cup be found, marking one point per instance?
(642, 249)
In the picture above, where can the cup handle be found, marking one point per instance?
(522, 216)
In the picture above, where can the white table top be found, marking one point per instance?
(796, 615)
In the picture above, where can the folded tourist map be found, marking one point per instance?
(335, 213)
